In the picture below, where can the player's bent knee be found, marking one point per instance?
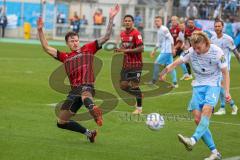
(123, 86)
(88, 102)
(61, 125)
(197, 120)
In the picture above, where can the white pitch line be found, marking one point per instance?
(167, 94)
(232, 158)
(173, 93)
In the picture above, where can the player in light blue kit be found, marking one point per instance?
(166, 44)
(208, 64)
(226, 43)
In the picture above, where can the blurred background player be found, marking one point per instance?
(190, 28)
(132, 48)
(209, 64)
(226, 43)
(174, 29)
(178, 30)
(165, 43)
(79, 68)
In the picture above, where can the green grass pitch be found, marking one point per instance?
(28, 123)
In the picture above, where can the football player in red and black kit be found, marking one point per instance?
(79, 68)
(188, 33)
(132, 48)
(174, 29)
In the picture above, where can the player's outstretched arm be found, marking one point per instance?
(113, 12)
(169, 68)
(226, 82)
(48, 49)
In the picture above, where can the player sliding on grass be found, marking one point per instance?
(132, 47)
(208, 63)
(226, 43)
(79, 68)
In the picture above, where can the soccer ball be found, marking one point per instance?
(155, 121)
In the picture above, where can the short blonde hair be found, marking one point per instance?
(199, 37)
(175, 18)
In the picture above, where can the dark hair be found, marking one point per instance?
(218, 20)
(129, 16)
(191, 19)
(70, 34)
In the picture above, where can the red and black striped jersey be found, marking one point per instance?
(79, 64)
(131, 40)
(175, 31)
(188, 31)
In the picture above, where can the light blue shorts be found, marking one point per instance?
(164, 59)
(204, 95)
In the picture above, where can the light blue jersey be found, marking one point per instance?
(206, 67)
(226, 43)
(164, 40)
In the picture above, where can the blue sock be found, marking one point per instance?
(184, 68)
(232, 103)
(155, 71)
(222, 97)
(201, 128)
(174, 76)
(208, 140)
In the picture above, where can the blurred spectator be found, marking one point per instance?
(83, 24)
(3, 21)
(184, 3)
(229, 28)
(232, 5)
(75, 23)
(216, 13)
(191, 11)
(203, 10)
(98, 21)
(61, 19)
(138, 23)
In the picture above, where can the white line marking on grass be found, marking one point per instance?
(167, 94)
(232, 158)
(173, 93)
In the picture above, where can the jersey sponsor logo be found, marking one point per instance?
(214, 97)
(223, 59)
(140, 37)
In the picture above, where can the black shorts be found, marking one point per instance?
(74, 98)
(131, 75)
(178, 53)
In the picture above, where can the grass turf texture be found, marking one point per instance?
(28, 125)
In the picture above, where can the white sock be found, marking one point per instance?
(193, 140)
(88, 133)
(139, 108)
(215, 151)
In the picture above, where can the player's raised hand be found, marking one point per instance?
(114, 11)
(40, 23)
